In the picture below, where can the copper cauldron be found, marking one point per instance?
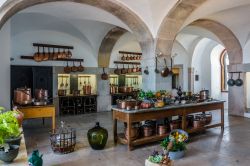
(22, 96)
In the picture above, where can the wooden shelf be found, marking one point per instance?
(192, 130)
(67, 60)
(143, 140)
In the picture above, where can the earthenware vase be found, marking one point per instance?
(97, 137)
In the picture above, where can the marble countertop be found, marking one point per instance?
(114, 107)
(22, 158)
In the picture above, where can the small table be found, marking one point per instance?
(47, 111)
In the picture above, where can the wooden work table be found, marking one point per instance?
(159, 113)
(47, 111)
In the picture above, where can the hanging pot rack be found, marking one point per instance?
(48, 47)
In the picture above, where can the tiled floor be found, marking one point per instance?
(232, 148)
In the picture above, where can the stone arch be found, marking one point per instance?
(172, 24)
(226, 36)
(108, 44)
(133, 21)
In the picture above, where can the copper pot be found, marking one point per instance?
(146, 105)
(134, 133)
(76, 92)
(117, 71)
(41, 94)
(147, 131)
(123, 70)
(67, 69)
(123, 104)
(165, 71)
(80, 67)
(134, 69)
(37, 56)
(130, 70)
(87, 89)
(22, 96)
(62, 92)
(104, 75)
(162, 129)
(125, 89)
(46, 55)
(175, 124)
(74, 68)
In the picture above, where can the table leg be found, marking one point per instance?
(183, 124)
(222, 117)
(53, 120)
(129, 126)
(114, 128)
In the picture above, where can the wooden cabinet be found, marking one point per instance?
(34, 77)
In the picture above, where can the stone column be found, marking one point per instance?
(153, 81)
(237, 95)
(190, 79)
(104, 97)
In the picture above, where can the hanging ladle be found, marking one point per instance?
(66, 85)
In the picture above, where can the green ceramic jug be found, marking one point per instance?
(97, 137)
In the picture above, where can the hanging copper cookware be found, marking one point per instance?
(165, 71)
(134, 69)
(69, 54)
(80, 67)
(117, 71)
(123, 58)
(46, 55)
(74, 68)
(104, 75)
(67, 69)
(130, 70)
(54, 55)
(123, 70)
(37, 56)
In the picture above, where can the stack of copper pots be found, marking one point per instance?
(22, 96)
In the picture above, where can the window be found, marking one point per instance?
(224, 61)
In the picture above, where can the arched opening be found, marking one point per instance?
(65, 23)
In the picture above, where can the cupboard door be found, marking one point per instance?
(43, 79)
(21, 76)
